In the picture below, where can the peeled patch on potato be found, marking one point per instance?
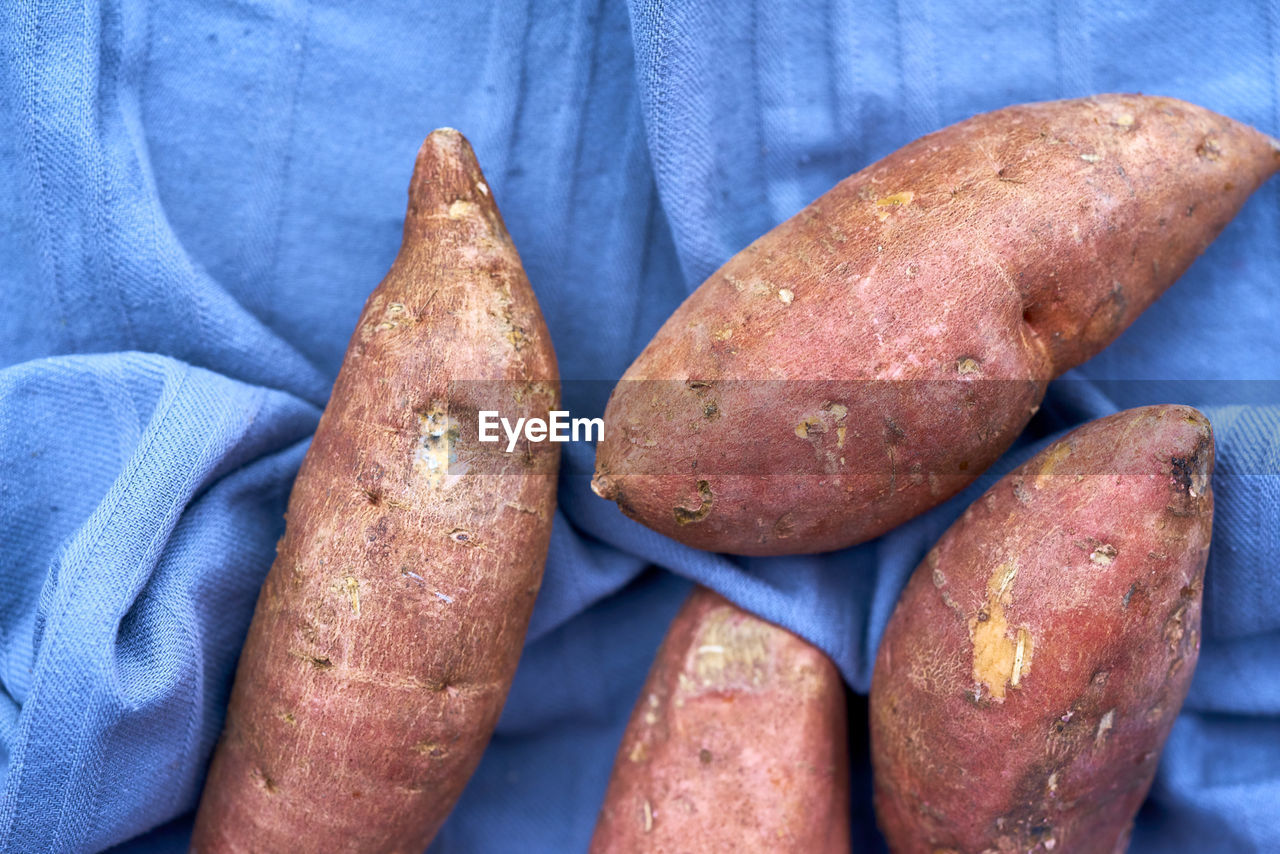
(387, 632)
(866, 359)
(1035, 663)
(736, 744)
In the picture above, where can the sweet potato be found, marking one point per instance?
(737, 743)
(867, 358)
(389, 627)
(1035, 663)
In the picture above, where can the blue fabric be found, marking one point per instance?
(198, 196)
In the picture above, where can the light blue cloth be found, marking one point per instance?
(198, 196)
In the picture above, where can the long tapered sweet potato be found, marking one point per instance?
(737, 743)
(867, 358)
(1035, 663)
(388, 630)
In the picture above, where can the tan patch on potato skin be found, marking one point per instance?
(1069, 754)
(737, 743)
(391, 621)
(1001, 652)
(1011, 251)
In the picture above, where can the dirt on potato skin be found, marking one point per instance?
(388, 630)
(1090, 558)
(737, 743)
(930, 297)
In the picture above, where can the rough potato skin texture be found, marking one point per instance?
(867, 358)
(387, 632)
(737, 743)
(1081, 572)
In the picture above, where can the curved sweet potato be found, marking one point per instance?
(736, 744)
(866, 359)
(389, 627)
(1036, 661)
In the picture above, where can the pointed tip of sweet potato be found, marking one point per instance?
(604, 486)
(447, 180)
(1165, 439)
(446, 146)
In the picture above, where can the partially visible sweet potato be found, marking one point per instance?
(387, 632)
(737, 744)
(867, 358)
(1036, 661)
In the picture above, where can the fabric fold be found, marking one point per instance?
(135, 593)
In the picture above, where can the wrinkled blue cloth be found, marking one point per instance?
(198, 196)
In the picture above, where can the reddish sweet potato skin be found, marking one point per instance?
(1034, 665)
(389, 627)
(867, 358)
(737, 743)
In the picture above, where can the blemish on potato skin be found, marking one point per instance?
(1104, 728)
(728, 655)
(1052, 459)
(462, 537)
(838, 411)
(264, 781)
(886, 206)
(810, 424)
(687, 516)
(319, 662)
(463, 208)
(999, 660)
(1129, 594)
(352, 586)
(1174, 627)
(1191, 473)
(430, 749)
(1208, 149)
(1021, 657)
(1103, 555)
(1006, 175)
(434, 452)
